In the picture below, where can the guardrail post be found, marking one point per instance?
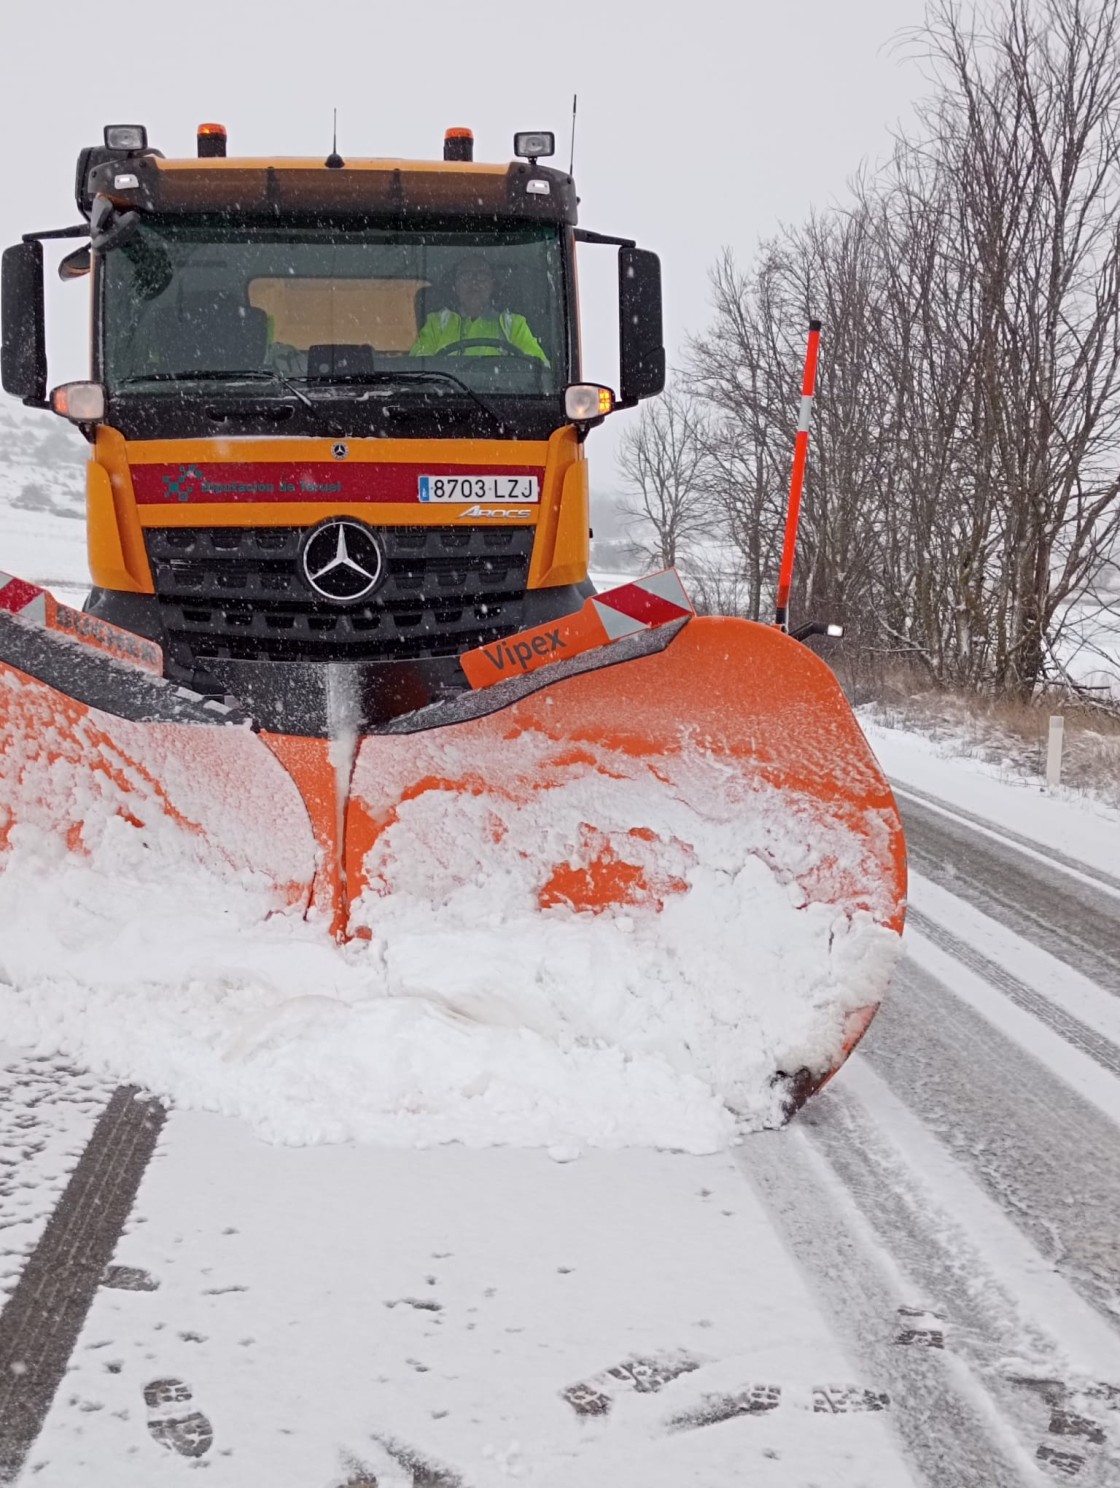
(1054, 750)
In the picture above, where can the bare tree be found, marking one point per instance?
(963, 491)
(733, 369)
(1030, 121)
(661, 460)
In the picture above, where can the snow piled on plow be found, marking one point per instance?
(471, 1015)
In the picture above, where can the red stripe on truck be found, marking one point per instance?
(319, 480)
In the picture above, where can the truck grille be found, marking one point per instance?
(239, 593)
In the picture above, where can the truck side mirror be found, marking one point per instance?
(23, 344)
(641, 352)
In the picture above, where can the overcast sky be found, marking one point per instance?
(701, 124)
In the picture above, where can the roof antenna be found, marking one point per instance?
(572, 161)
(334, 160)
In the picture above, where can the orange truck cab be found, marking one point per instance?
(335, 408)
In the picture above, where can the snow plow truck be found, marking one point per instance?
(340, 613)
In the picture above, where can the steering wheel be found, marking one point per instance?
(456, 348)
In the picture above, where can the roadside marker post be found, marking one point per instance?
(797, 477)
(1054, 750)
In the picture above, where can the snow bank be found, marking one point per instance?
(1069, 821)
(471, 1015)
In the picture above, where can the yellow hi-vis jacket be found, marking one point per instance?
(446, 327)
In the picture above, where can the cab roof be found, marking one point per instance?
(272, 187)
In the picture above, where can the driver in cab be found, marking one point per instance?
(475, 327)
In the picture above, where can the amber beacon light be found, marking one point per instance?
(458, 144)
(211, 141)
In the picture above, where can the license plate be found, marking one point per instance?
(519, 488)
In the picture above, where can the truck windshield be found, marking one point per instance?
(336, 310)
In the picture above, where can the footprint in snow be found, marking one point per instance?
(181, 1430)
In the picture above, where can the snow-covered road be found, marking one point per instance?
(917, 1282)
(956, 1192)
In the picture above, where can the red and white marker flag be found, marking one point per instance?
(34, 606)
(643, 604)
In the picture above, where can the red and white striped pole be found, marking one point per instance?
(800, 452)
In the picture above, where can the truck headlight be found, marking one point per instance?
(587, 400)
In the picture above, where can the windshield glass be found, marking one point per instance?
(333, 309)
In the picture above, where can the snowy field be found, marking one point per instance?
(1089, 646)
(916, 1282)
(42, 501)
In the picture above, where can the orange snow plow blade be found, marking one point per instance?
(738, 699)
(710, 793)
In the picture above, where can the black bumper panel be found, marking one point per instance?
(316, 698)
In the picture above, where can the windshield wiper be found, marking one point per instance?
(386, 378)
(193, 374)
(346, 379)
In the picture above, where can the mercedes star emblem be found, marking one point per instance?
(342, 561)
(340, 451)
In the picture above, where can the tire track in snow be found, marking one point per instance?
(47, 1111)
(1073, 921)
(946, 1425)
(1046, 1155)
(1100, 1049)
(1008, 1322)
(46, 1311)
(994, 830)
